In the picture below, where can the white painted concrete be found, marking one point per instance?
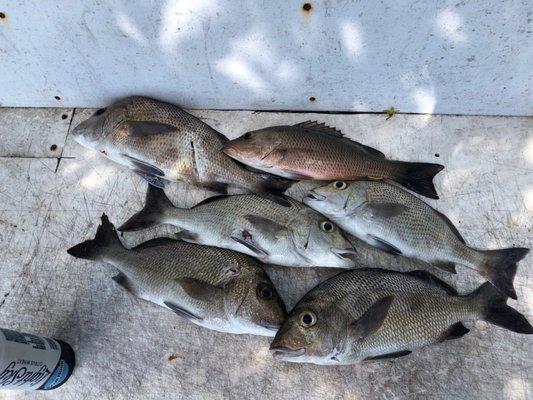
(437, 56)
(123, 344)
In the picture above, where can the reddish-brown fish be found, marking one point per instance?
(310, 150)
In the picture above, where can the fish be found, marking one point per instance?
(161, 142)
(388, 217)
(372, 314)
(218, 289)
(295, 236)
(313, 151)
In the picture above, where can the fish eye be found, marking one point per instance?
(326, 226)
(100, 111)
(247, 135)
(265, 292)
(341, 185)
(307, 319)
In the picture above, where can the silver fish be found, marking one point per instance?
(368, 314)
(161, 142)
(215, 288)
(390, 218)
(294, 236)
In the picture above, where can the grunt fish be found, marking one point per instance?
(215, 288)
(294, 236)
(369, 314)
(392, 219)
(161, 142)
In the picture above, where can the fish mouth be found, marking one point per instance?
(312, 195)
(284, 351)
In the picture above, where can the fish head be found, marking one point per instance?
(311, 333)
(92, 132)
(255, 304)
(336, 197)
(321, 241)
(259, 149)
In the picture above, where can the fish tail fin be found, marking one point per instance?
(153, 212)
(106, 238)
(418, 177)
(499, 267)
(274, 184)
(493, 308)
(271, 187)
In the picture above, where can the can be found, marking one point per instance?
(31, 362)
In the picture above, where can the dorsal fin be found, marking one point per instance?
(433, 280)
(451, 226)
(155, 242)
(322, 127)
(210, 200)
(314, 126)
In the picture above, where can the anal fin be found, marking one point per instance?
(127, 284)
(186, 236)
(245, 238)
(382, 245)
(445, 266)
(153, 180)
(455, 331)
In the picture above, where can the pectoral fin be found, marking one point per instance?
(372, 319)
(382, 245)
(141, 129)
(246, 239)
(123, 281)
(389, 355)
(385, 210)
(198, 289)
(266, 225)
(182, 312)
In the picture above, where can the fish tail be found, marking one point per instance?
(153, 212)
(418, 177)
(273, 184)
(493, 308)
(499, 267)
(106, 238)
(271, 187)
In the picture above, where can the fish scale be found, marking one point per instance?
(404, 328)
